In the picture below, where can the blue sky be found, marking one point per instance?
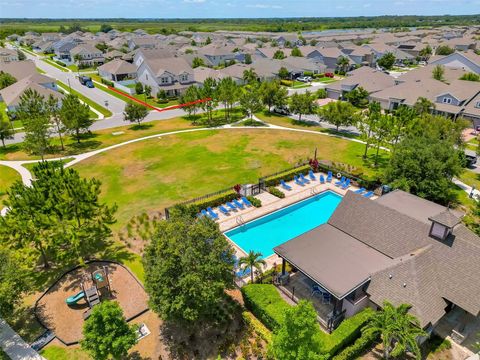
(230, 8)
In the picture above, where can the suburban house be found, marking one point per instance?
(143, 54)
(44, 46)
(451, 101)
(144, 42)
(329, 56)
(114, 54)
(62, 50)
(359, 55)
(42, 84)
(87, 55)
(118, 70)
(7, 55)
(19, 69)
(381, 49)
(217, 54)
(468, 61)
(399, 248)
(471, 111)
(366, 77)
(174, 75)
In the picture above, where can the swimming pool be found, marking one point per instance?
(263, 234)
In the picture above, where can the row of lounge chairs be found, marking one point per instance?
(233, 205)
(343, 183)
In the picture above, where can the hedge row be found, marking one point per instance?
(354, 351)
(257, 326)
(60, 63)
(264, 301)
(287, 176)
(349, 330)
(255, 202)
(107, 82)
(216, 200)
(275, 192)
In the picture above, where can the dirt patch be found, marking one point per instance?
(67, 321)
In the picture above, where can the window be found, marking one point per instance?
(438, 230)
(477, 105)
(183, 77)
(447, 100)
(164, 80)
(146, 76)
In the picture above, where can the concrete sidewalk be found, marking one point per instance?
(14, 346)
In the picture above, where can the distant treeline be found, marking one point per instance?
(169, 26)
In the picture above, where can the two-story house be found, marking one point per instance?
(8, 55)
(87, 55)
(217, 54)
(174, 75)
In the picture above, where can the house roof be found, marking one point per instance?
(18, 69)
(333, 259)
(447, 218)
(173, 65)
(201, 73)
(408, 266)
(118, 66)
(366, 77)
(11, 94)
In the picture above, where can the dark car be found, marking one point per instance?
(86, 80)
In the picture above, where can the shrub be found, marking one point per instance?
(288, 83)
(251, 122)
(275, 192)
(360, 345)
(264, 301)
(321, 93)
(307, 73)
(255, 202)
(287, 175)
(138, 88)
(216, 200)
(60, 63)
(257, 326)
(107, 82)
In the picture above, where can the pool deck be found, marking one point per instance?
(271, 203)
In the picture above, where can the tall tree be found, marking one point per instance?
(357, 97)
(279, 55)
(197, 62)
(343, 63)
(228, 93)
(404, 119)
(298, 336)
(248, 59)
(190, 96)
(398, 329)
(59, 216)
(296, 52)
(6, 80)
(367, 123)
(382, 132)
(338, 113)
(188, 265)
(106, 333)
(252, 261)
(283, 73)
(438, 73)
(250, 101)
(33, 111)
(426, 52)
(423, 106)
(53, 110)
(75, 116)
(12, 282)
(444, 50)
(387, 61)
(209, 91)
(271, 92)
(250, 76)
(427, 158)
(135, 112)
(6, 131)
(302, 104)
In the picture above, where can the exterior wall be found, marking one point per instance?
(458, 61)
(219, 59)
(106, 75)
(333, 94)
(453, 101)
(351, 308)
(145, 76)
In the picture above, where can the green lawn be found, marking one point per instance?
(7, 177)
(3, 356)
(54, 352)
(40, 70)
(153, 174)
(470, 178)
(105, 112)
(325, 80)
(74, 68)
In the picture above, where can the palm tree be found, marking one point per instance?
(252, 260)
(423, 106)
(250, 76)
(398, 329)
(343, 63)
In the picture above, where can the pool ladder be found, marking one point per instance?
(313, 191)
(239, 220)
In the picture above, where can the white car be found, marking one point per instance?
(304, 79)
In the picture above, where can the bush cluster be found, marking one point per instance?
(107, 82)
(60, 63)
(354, 351)
(287, 176)
(257, 326)
(287, 83)
(255, 202)
(275, 192)
(264, 301)
(215, 200)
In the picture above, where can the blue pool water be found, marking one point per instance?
(263, 234)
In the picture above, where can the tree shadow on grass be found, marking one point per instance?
(304, 123)
(10, 149)
(137, 127)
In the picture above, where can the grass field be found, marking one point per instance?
(53, 63)
(157, 173)
(470, 178)
(7, 177)
(55, 352)
(105, 112)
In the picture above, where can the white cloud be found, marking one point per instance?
(194, 1)
(265, 6)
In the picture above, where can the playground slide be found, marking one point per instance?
(75, 298)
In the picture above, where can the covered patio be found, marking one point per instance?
(333, 270)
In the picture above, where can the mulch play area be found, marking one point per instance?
(66, 321)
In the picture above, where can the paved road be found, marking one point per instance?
(314, 87)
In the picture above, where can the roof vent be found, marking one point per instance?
(390, 276)
(404, 285)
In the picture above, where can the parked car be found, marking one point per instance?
(422, 63)
(86, 81)
(282, 110)
(304, 79)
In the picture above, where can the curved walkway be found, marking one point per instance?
(27, 176)
(14, 346)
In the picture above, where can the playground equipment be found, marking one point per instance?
(75, 298)
(99, 283)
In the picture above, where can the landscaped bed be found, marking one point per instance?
(66, 321)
